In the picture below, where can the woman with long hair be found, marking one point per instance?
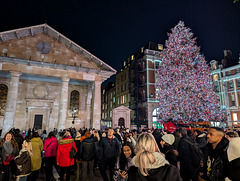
(23, 161)
(149, 163)
(8, 150)
(50, 153)
(124, 161)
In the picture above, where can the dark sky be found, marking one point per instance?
(112, 30)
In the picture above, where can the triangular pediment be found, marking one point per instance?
(29, 44)
(122, 108)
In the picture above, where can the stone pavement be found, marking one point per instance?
(73, 177)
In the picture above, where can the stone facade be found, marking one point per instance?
(41, 68)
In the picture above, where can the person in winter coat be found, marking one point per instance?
(63, 155)
(8, 150)
(188, 167)
(233, 155)
(23, 161)
(215, 163)
(77, 157)
(125, 161)
(36, 160)
(149, 163)
(177, 139)
(50, 153)
(200, 138)
(87, 154)
(168, 150)
(18, 137)
(110, 147)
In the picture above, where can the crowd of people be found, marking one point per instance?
(121, 154)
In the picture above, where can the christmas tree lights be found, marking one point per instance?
(184, 85)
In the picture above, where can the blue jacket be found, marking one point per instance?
(110, 147)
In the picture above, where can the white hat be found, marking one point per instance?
(233, 151)
(168, 138)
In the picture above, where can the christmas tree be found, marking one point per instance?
(184, 85)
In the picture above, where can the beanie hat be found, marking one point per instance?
(168, 138)
(233, 151)
(88, 134)
(78, 136)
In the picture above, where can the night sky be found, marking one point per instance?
(112, 30)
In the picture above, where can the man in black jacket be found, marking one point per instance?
(87, 150)
(188, 167)
(216, 155)
(110, 147)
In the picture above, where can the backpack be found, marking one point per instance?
(197, 154)
(72, 152)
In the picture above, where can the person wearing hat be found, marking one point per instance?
(167, 145)
(233, 154)
(87, 154)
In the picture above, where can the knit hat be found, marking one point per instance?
(88, 134)
(168, 138)
(233, 151)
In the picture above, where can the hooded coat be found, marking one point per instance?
(160, 170)
(64, 147)
(36, 159)
(23, 162)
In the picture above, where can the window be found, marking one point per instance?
(216, 88)
(215, 77)
(238, 83)
(113, 99)
(230, 84)
(3, 98)
(235, 117)
(229, 73)
(118, 100)
(232, 100)
(160, 47)
(157, 65)
(74, 104)
(214, 67)
(111, 104)
(142, 49)
(123, 97)
(237, 71)
(110, 114)
(132, 57)
(154, 118)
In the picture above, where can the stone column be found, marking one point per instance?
(12, 96)
(63, 103)
(97, 105)
(88, 105)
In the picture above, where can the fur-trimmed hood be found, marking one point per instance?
(65, 141)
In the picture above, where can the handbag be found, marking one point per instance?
(72, 152)
(9, 158)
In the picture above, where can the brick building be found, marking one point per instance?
(226, 82)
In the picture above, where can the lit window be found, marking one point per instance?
(214, 67)
(215, 77)
(160, 47)
(110, 114)
(124, 63)
(3, 98)
(142, 49)
(132, 57)
(113, 99)
(74, 104)
(235, 117)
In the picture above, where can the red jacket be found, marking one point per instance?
(64, 147)
(50, 147)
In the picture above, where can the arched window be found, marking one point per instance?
(3, 98)
(154, 118)
(74, 104)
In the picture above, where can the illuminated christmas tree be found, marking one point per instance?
(184, 85)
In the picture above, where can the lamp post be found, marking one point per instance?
(74, 115)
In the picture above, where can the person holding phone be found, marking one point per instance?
(124, 161)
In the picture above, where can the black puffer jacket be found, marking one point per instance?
(233, 170)
(23, 162)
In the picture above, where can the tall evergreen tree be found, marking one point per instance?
(184, 85)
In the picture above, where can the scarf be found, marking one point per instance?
(7, 145)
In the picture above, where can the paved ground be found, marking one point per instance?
(96, 172)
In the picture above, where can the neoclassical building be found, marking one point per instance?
(47, 81)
